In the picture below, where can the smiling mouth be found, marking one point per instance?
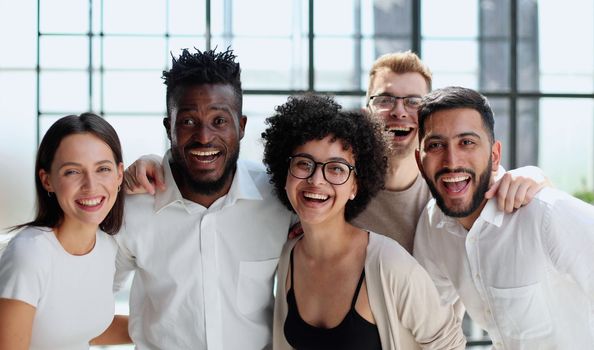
(315, 197)
(207, 156)
(400, 131)
(90, 203)
(455, 184)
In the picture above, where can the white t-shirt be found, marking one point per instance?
(204, 276)
(73, 295)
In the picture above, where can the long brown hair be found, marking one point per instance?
(48, 211)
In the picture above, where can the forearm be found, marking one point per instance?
(16, 324)
(116, 333)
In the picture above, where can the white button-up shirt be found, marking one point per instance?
(526, 277)
(204, 276)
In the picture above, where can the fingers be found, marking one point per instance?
(136, 180)
(142, 176)
(493, 190)
(503, 191)
(516, 192)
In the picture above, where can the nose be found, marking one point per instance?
(318, 175)
(399, 111)
(203, 134)
(88, 181)
(450, 158)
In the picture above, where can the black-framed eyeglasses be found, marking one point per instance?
(382, 103)
(335, 172)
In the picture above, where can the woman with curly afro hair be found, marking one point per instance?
(339, 286)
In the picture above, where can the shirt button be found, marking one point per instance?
(488, 312)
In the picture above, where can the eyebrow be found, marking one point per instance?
(457, 136)
(332, 159)
(216, 107)
(65, 164)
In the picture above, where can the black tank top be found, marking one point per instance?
(354, 332)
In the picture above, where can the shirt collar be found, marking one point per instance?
(242, 187)
(490, 214)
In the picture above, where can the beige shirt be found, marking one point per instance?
(403, 300)
(395, 213)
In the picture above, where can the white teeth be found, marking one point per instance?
(204, 153)
(456, 179)
(399, 128)
(90, 202)
(315, 196)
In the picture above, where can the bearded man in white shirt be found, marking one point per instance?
(525, 277)
(205, 248)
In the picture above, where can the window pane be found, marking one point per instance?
(453, 62)
(187, 17)
(134, 16)
(528, 111)
(134, 52)
(326, 14)
(257, 108)
(18, 34)
(335, 63)
(566, 149)
(494, 46)
(387, 18)
(64, 92)
(500, 107)
(18, 146)
(53, 19)
(134, 92)
(276, 64)
(265, 17)
(64, 52)
(152, 139)
(436, 24)
(566, 45)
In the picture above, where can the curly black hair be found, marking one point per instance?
(312, 117)
(203, 67)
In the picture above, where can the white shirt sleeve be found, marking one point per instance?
(568, 238)
(23, 271)
(125, 263)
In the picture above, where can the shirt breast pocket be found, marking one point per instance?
(522, 313)
(254, 287)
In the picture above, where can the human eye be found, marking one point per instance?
(188, 121)
(71, 172)
(220, 121)
(303, 164)
(434, 146)
(337, 168)
(468, 142)
(383, 101)
(104, 169)
(413, 101)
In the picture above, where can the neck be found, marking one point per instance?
(76, 238)
(402, 172)
(325, 241)
(204, 199)
(469, 220)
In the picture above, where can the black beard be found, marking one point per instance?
(477, 197)
(205, 187)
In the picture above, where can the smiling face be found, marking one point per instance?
(314, 199)
(402, 124)
(205, 129)
(84, 177)
(457, 161)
